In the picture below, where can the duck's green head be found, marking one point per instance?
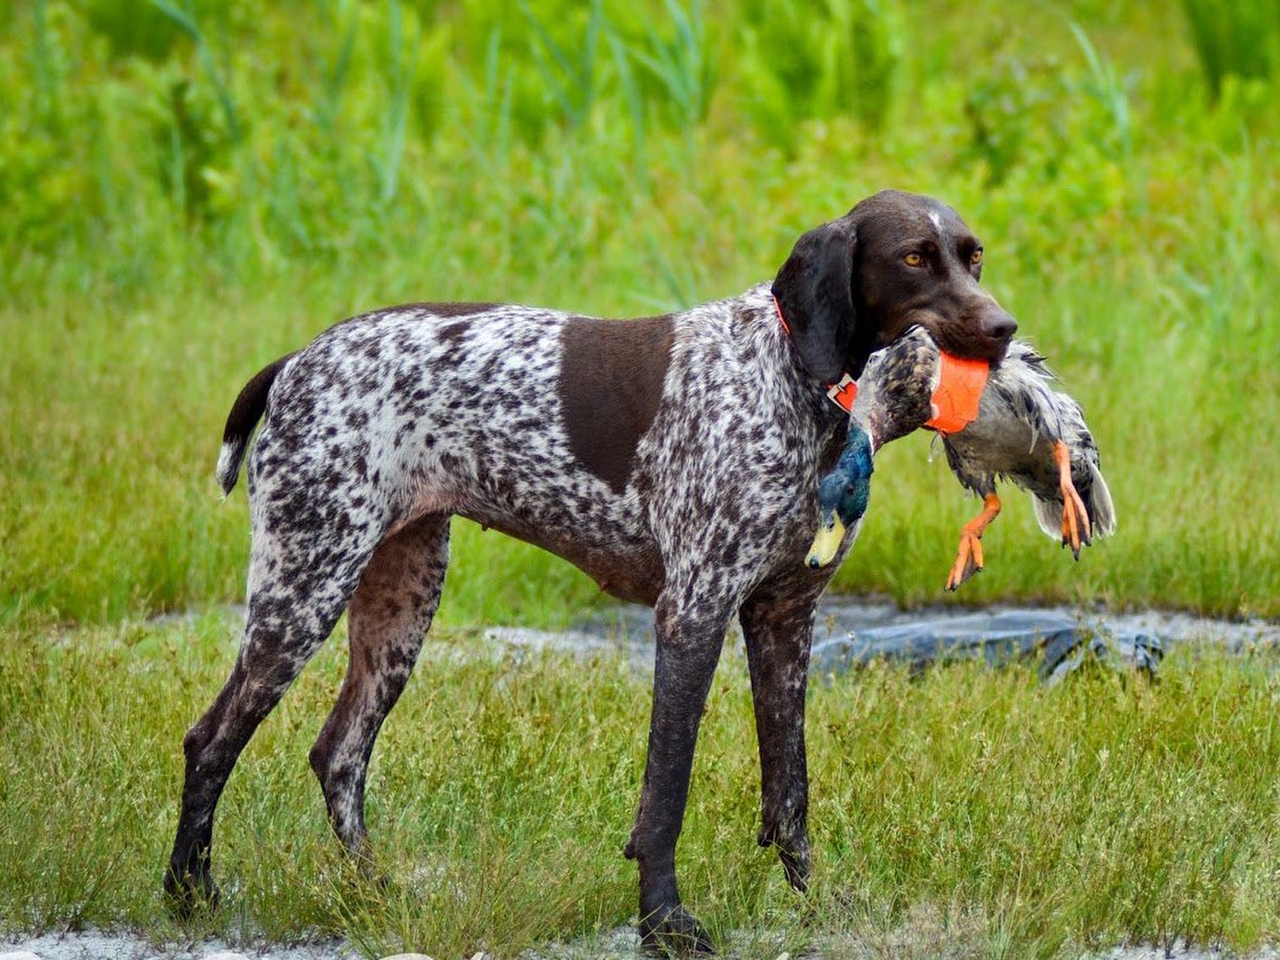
(842, 497)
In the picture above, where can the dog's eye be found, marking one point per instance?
(913, 259)
(975, 258)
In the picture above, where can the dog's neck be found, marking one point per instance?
(844, 391)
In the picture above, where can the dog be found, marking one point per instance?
(675, 459)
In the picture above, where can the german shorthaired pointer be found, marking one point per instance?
(675, 459)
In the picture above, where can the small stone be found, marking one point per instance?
(19, 955)
(225, 955)
(407, 956)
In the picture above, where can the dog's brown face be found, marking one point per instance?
(894, 261)
(918, 263)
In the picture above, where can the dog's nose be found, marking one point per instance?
(1000, 326)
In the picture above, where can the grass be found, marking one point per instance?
(971, 804)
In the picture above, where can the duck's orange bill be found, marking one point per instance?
(959, 389)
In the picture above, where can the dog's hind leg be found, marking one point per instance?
(389, 615)
(299, 584)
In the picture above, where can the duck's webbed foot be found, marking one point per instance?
(969, 555)
(1076, 528)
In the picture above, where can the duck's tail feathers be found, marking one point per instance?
(244, 416)
(1102, 514)
(1097, 503)
(1048, 517)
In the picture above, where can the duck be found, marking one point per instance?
(1004, 421)
(1030, 433)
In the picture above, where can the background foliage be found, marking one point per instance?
(190, 188)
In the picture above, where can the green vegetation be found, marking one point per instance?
(190, 188)
(970, 807)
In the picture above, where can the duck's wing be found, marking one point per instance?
(1085, 473)
(1022, 387)
(1098, 502)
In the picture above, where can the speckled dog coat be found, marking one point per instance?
(675, 459)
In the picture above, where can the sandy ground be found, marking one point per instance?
(620, 945)
(628, 631)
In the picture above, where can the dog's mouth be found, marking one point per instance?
(981, 335)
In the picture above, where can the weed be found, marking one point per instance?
(1242, 39)
(968, 802)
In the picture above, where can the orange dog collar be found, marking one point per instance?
(842, 393)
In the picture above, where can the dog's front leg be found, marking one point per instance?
(690, 636)
(778, 634)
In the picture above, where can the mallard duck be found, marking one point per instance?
(1019, 428)
(1036, 437)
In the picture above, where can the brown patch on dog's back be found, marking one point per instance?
(611, 378)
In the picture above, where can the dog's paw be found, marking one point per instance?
(792, 845)
(673, 932)
(190, 895)
(795, 864)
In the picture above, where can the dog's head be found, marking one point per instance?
(894, 261)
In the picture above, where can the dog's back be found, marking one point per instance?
(541, 424)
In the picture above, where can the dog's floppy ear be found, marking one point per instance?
(814, 290)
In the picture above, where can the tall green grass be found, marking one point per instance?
(188, 200)
(969, 806)
(1243, 44)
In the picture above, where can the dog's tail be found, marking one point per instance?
(244, 416)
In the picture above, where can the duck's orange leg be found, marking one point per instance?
(1076, 529)
(969, 555)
